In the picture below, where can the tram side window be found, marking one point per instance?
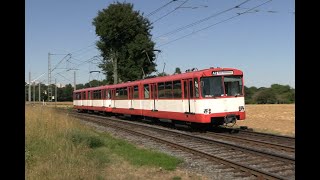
(84, 95)
(177, 92)
(135, 92)
(97, 94)
(103, 93)
(168, 90)
(117, 93)
(78, 96)
(185, 89)
(89, 94)
(123, 93)
(191, 89)
(108, 94)
(196, 87)
(161, 90)
(146, 91)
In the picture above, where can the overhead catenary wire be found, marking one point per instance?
(207, 27)
(158, 9)
(170, 12)
(202, 20)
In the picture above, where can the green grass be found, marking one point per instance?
(139, 157)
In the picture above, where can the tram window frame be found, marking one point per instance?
(123, 93)
(89, 95)
(96, 94)
(136, 92)
(196, 90)
(161, 92)
(176, 94)
(103, 93)
(117, 93)
(108, 94)
(146, 91)
(191, 88)
(84, 95)
(78, 95)
(168, 86)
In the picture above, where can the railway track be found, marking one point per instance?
(265, 142)
(243, 161)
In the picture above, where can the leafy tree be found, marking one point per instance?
(125, 43)
(280, 88)
(177, 71)
(162, 74)
(249, 92)
(265, 96)
(67, 92)
(80, 86)
(93, 83)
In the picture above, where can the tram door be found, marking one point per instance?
(188, 101)
(154, 96)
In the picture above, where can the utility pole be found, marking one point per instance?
(55, 93)
(49, 79)
(164, 66)
(39, 92)
(50, 70)
(34, 92)
(29, 94)
(75, 88)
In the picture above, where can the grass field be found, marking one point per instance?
(271, 118)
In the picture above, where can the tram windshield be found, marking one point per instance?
(221, 86)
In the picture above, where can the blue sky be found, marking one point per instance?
(260, 42)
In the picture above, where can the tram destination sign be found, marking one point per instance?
(222, 72)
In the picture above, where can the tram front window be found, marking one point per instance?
(233, 85)
(213, 86)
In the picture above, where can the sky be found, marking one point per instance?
(255, 36)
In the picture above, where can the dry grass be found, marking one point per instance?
(271, 118)
(54, 104)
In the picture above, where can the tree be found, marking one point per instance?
(249, 92)
(177, 71)
(80, 86)
(93, 83)
(162, 74)
(125, 43)
(265, 96)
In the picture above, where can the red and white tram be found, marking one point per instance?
(210, 96)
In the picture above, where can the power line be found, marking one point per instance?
(238, 14)
(83, 48)
(155, 11)
(170, 12)
(201, 20)
(63, 77)
(84, 52)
